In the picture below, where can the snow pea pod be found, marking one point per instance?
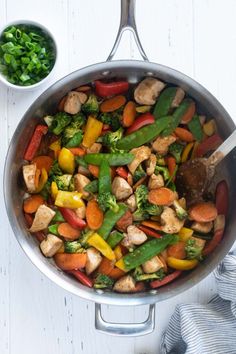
(116, 159)
(114, 238)
(144, 135)
(104, 179)
(110, 219)
(164, 102)
(177, 117)
(195, 128)
(92, 187)
(75, 140)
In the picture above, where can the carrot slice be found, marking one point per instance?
(152, 224)
(94, 170)
(67, 231)
(203, 212)
(112, 104)
(70, 261)
(129, 114)
(77, 151)
(184, 134)
(171, 163)
(32, 203)
(161, 196)
(43, 162)
(94, 215)
(62, 104)
(188, 115)
(107, 267)
(177, 250)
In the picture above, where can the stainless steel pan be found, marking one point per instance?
(134, 71)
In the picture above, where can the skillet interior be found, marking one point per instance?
(134, 71)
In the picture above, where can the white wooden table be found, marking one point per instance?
(197, 37)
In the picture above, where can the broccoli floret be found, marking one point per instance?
(144, 208)
(48, 120)
(59, 122)
(139, 275)
(152, 209)
(180, 212)
(163, 170)
(84, 237)
(193, 251)
(72, 135)
(108, 201)
(102, 281)
(46, 191)
(55, 169)
(175, 150)
(63, 182)
(140, 215)
(113, 119)
(73, 247)
(110, 139)
(139, 173)
(91, 106)
(141, 195)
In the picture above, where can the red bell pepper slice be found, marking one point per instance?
(35, 141)
(210, 144)
(211, 245)
(141, 121)
(222, 198)
(72, 219)
(122, 172)
(158, 283)
(111, 88)
(149, 232)
(83, 278)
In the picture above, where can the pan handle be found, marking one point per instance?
(127, 23)
(125, 329)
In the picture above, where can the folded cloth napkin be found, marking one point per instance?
(210, 328)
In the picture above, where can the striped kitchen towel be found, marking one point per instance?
(210, 328)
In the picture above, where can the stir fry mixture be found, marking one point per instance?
(101, 185)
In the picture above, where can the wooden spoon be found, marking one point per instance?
(194, 176)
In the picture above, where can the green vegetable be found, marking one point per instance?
(180, 212)
(75, 140)
(114, 238)
(163, 105)
(63, 182)
(53, 229)
(92, 187)
(110, 219)
(113, 159)
(91, 106)
(48, 120)
(175, 150)
(110, 139)
(104, 179)
(144, 135)
(195, 127)
(163, 170)
(55, 169)
(46, 191)
(84, 237)
(103, 281)
(59, 122)
(144, 208)
(146, 251)
(192, 250)
(177, 117)
(80, 161)
(139, 173)
(58, 217)
(113, 119)
(73, 247)
(106, 201)
(27, 54)
(140, 276)
(72, 134)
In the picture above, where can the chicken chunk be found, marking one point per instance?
(161, 144)
(219, 223)
(125, 284)
(29, 172)
(80, 212)
(83, 171)
(199, 242)
(179, 96)
(171, 223)
(80, 182)
(73, 102)
(156, 181)
(141, 154)
(152, 265)
(203, 227)
(42, 218)
(148, 90)
(131, 202)
(95, 148)
(121, 188)
(94, 258)
(50, 245)
(151, 164)
(133, 237)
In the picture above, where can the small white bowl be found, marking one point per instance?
(49, 34)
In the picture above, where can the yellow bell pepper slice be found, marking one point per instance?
(102, 246)
(186, 152)
(70, 200)
(118, 252)
(209, 128)
(54, 190)
(42, 180)
(121, 265)
(182, 264)
(143, 109)
(185, 234)
(194, 150)
(66, 161)
(92, 131)
(56, 147)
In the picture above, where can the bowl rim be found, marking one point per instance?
(49, 33)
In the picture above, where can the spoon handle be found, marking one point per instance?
(223, 150)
